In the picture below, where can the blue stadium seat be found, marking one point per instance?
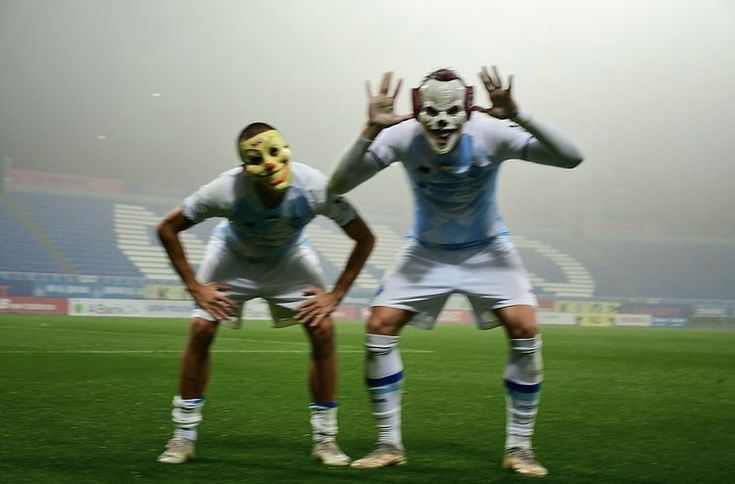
(89, 234)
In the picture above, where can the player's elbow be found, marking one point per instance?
(366, 240)
(163, 230)
(570, 159)
(337, 187)
(369, 242)
(166, 229)
(574, 161)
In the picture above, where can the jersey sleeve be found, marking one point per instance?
(383, 151)
(329, 203)
(512, 141)
(210, 200)
(339, 209)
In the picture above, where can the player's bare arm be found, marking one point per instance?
(550, 147)
(322, 304)
(208, 296)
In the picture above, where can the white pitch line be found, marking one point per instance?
(46, 327)
(132, 333)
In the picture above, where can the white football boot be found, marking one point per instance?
(523, 461)
(178, 450)
(383, 455)
(327, 451)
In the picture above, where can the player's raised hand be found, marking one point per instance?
(319, 307)
(502, 104)
(212, 299)
(381, 112)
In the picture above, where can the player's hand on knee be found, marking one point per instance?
(211, 297)
(316, 309)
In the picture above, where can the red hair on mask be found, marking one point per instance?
(442, 75)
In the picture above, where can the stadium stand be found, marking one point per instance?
(81, 228)
(114, 235)
(22, 251)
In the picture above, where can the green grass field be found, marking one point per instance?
(88, 400)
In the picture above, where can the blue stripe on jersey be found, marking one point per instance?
(386, 380)
(377, 160)
(460, 246)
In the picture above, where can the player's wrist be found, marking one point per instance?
(193, 288)
(371, 130)
(521, 117)
(337, 295)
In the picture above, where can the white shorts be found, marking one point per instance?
(491, 277)
(279, 281)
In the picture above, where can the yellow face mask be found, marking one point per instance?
(265, 157)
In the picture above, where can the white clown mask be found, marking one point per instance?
(443, 112)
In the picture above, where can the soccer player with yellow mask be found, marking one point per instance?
(260, 250)
(266, 158)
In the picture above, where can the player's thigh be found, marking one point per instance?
(222, 265)
(414, 292)
(495, 278)
(284, 288)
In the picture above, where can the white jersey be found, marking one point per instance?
(255, 231)
(455, 193)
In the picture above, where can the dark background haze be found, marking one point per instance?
(159, 89)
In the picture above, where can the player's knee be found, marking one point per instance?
(519, 321)
(521, 327)
(525, 331)
(202, 332)
(322, 338)
(380, 324)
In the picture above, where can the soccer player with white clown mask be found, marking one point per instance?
(452, 154)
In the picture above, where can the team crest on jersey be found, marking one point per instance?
(458, 160)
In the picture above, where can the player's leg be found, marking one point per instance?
(323, 361)
(323, 389)
(195, 360)
(384, 377)
(523, 376)
(187, 405)
(221, 265)
(498, 288)
(296, 271)
(414, 293)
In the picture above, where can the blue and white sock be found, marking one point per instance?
(523, 376)
(187, 414)
(323, 420)
(384, 374)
